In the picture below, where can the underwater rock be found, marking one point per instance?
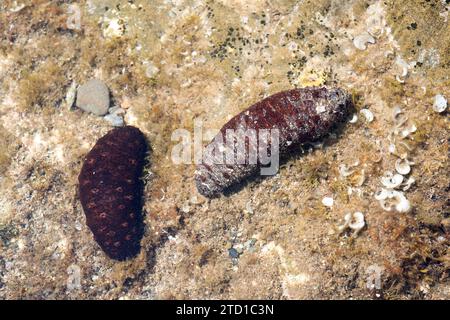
(111, 191)
(93, 96)
(440, 103)
(299, 115)
(114, 119)
(115, 116)
(233, 253)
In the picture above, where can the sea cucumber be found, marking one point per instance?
(110, 189)
(300, 115)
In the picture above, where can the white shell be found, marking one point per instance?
(408, 183)
(347, 218)
(353, 221)
(403, 166)
(397, 77)
(401, 204)
(367, 114)
(354, 118)
(344, 170)
(388, 53)
(404, 67)
(357, 222)
(440, 103)
(116, 110)
(391, 181)
(392, 148)
(361, 41)
(248, 207)
(360, 178)
(407, 131)
(327, 201)
(17, 8)
(396, 112)
(381, 194)
(375, 25)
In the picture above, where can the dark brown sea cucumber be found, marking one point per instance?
(110, 188)
(301, 115)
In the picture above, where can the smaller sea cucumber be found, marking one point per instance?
(300, 115)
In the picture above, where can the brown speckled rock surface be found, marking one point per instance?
(175, 66)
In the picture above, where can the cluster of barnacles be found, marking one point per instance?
(354, 221)
(391, 195)
(394, 183)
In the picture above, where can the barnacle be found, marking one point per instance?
(327, 201)
(391, 180)
(367, 114)
(390, 199)
(354, 221)
(403, 166)
(362, 40)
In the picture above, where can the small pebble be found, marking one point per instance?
(233, 253)
(93, 96)
(440, 103)
(71, 95)
(115, 120)
(327, 201)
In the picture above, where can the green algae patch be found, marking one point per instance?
(421, 30)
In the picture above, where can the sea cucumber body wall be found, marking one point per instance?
(111, 191)
(299, 116)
